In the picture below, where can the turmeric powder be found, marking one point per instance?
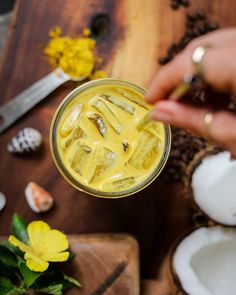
(75, 56)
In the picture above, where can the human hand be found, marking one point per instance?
(219, 71)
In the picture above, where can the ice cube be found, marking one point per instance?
(146, 151)
(143, 122)
(107, 114)
(66, 143)
(98, 122)
(119, 103)
(154, 127)
(80, 156)
(71, 120)
(120, 184)
(76, 134)
(103, 158)
(137, 100)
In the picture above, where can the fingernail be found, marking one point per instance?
(160, 116)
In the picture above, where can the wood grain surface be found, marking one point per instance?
(140, 32)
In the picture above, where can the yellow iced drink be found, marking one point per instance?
(101, 143)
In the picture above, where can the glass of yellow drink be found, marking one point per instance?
(102, 145)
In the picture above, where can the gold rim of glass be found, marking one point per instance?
(56, 155)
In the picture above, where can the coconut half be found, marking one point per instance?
(204, 262)
(213, 186)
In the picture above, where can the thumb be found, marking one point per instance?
(221, 131)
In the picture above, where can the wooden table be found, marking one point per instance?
(140, 32)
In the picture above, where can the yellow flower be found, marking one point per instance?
(45, 245)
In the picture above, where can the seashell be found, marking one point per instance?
(38, 198)
(2, 201)
(27, 140)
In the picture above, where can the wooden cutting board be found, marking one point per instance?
(139, 32)
(105, 264)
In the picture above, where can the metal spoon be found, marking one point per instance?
(32, 95)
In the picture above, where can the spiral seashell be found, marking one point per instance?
(27, 140)
(38, 198)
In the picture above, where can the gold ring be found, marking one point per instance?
(197, 57)
(207, 123)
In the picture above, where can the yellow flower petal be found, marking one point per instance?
(55, 242)
(63, 256)
(35, 263)
(23, 247)
(37, 231)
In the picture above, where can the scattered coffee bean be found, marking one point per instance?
(164, 60)
(191, 18)
(213, 26)
(185, 3)
(196, 25)
(200, 15)
(184, 147)
(174, 5)
(189, 25)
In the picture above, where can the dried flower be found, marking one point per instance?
(86, 32)
(98, 74)
(75, 56)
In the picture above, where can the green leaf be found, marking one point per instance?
(5, 285)
(17, 291)
(52, 289)
(7, 258)
(7, 270)
(19, 228)
(71, 255)
(16, 251)
(71, 280)
(29, 276)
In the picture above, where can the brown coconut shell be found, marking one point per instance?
(200, 217)
(171, 274)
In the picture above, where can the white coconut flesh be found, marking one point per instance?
(214, 187)
(205, 262)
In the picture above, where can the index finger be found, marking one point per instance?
(170, 76)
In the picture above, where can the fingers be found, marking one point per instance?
(169, 77)
(218, 70)
(221, 131)
(173, 73)
(219, 38)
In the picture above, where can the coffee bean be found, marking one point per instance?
(189, 25)
(185, 3)
(174, 5)
(191, 18)
(164, 60)
(184, 41)
(200, 15)
(213, 26)
(172, 50)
